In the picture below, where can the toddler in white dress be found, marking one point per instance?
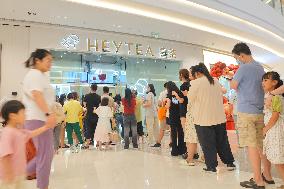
(103, 129)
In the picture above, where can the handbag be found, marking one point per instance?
(30, 150)
(162, 113)
(114, 137)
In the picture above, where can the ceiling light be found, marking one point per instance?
(184, 22)
(268, 1)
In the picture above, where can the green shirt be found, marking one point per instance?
(277, 104)
(72, 109)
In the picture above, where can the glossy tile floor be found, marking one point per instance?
(140, 169)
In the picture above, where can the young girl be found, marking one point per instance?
(118, 114)
(103, 129)
(273, 145)
(58, 110)
(13, 141)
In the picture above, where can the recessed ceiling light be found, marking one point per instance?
(65, 17)
(119, 26)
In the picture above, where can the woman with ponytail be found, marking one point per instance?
(205, 95)
(38, 98)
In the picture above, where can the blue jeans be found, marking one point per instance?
(119, 122)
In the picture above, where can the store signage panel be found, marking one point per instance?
(118, 47)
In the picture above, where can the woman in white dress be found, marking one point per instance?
(103, 129)
(273, 145)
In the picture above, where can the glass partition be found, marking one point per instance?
(75, 71)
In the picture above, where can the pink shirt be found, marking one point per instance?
(13, 142)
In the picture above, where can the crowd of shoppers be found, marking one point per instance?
(194, 112)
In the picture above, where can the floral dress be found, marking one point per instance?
(273, 144)
(190, 135)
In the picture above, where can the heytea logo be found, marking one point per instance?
(70, 42)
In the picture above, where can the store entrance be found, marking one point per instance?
(75, 71)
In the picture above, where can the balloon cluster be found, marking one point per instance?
(102, 77)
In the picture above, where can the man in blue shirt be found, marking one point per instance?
(248, 84)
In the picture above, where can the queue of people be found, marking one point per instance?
(194, 112)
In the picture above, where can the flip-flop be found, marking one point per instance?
(267, 181)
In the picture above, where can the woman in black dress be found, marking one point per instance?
(177, 135)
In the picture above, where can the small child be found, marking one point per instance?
(103, 129)
(58, 110)
(118, 114)
(274, 123)
(13, 139)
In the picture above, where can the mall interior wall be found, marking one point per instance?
(19, 41)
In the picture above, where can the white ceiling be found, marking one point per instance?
(83, 16)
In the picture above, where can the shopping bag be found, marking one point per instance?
(30, 150)
(114, 137)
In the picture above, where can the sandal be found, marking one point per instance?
(191, 164)
(31, 177)
(65, 146)
(251, 184)
(267, 181)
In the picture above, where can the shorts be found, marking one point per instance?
(250, 128)
(162, 113)
(182, 110)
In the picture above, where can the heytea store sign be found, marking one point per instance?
(119, 47)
